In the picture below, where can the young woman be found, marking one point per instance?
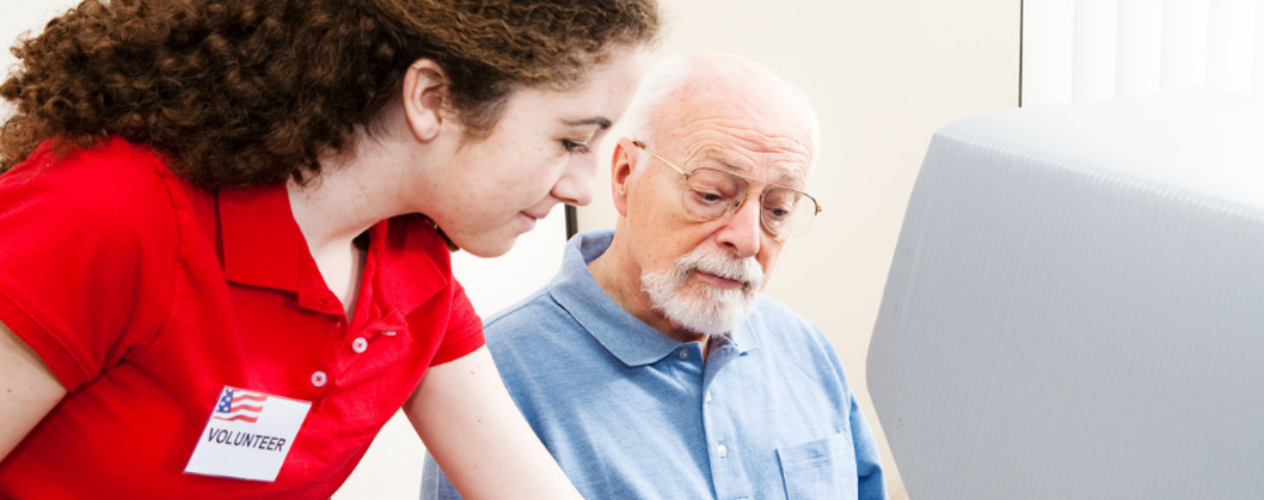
(225, 229)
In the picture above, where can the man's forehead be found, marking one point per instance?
(731, 131)
(787, 169)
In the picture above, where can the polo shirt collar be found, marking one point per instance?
(415, 262)
(264, 247)
(631, 340)
(262, 243)
(741, 338)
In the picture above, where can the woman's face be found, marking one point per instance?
(542, 152)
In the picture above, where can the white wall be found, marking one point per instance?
(883, 76)
(19, 16)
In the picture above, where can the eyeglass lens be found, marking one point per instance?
(714, 193)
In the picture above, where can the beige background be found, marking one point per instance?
(883, 76)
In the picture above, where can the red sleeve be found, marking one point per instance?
(465, 329)
(87, 256)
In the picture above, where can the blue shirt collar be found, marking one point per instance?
(631, 340)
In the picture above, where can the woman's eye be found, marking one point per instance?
(574, 146)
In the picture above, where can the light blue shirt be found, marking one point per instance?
(630, 413)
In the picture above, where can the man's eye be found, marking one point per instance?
(777, 213)
(779, 203)
(574, 146)
(708, 197)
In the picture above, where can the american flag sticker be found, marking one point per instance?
(248, 434)
(238, 404)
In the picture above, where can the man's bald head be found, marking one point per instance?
(683, 89)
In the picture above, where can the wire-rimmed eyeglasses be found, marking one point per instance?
(713, 193)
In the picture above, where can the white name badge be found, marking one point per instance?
(248, 435)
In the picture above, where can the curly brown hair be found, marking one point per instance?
(252, 92)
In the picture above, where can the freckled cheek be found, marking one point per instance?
(536, 164)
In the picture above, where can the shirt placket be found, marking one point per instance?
(318, 299)
(357, 339)
(724, 445)
(351, 339)
(373, 333)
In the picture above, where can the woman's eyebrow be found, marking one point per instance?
(601, 122)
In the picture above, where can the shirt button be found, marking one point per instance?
(684, 354)
(359, 345)
(722, 451)
(319, 378)
(708, 397)
(389, 333)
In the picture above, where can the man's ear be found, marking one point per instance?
(425, 93)
(620, 172)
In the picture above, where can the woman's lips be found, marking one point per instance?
(528, 221)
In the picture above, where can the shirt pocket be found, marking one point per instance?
(824, 469)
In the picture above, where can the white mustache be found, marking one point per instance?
(744, 270)
(709, 310)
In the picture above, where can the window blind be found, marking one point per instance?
(1096, 50)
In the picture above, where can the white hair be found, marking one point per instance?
(670, 75)
(660, 81)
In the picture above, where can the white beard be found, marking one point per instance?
(707, 310)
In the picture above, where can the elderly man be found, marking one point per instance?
(650, 366)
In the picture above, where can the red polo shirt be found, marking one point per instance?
(146, 296)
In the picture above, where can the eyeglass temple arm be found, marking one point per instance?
(642, 145)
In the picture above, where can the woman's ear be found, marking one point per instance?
(425, 94)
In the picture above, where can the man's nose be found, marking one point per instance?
(743, 231)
